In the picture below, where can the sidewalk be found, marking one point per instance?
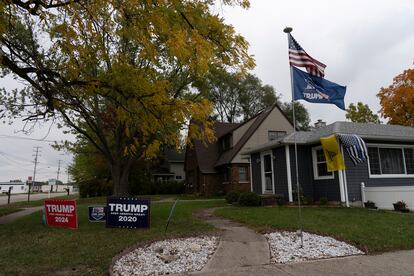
(239, 246)
(243, 252)
(13, 216)
(387, 264)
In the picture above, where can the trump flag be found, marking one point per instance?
(317, 90)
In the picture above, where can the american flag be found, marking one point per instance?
(355, 147)
(298, 57)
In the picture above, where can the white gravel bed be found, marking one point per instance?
(285, 247)
(167, 257)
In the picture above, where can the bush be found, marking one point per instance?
(95, 187)
(250, 199)
(307, 200)
(232, 197)
(280, 200)
(323, 201)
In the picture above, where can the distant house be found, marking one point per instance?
(17, 187)
(37, 186)
(169, 167)
(53, 185)
(387, 176)
(219, 167)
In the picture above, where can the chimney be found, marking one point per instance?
(320, 124)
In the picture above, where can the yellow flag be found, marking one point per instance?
(333, 156)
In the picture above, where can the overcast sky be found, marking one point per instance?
(363, 43)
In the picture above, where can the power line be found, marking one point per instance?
(26, 138)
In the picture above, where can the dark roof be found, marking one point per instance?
(209, 156)
(368, 131)
(227, 156)
(172, 155)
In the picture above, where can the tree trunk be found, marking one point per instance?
(120, 176)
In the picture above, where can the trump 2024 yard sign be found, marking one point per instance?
(62, 213)
(127, 212)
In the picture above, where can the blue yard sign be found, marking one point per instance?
(97, 213)
(127, 212)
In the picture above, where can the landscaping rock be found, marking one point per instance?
(180, 255)
(285, 247)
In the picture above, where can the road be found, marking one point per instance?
(23, 197)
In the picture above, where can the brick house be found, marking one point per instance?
(219, 167)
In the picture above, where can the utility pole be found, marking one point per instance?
(58, 172)
(36, 155)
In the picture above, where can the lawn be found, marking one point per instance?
(372, 231)
(17, 206)
(29, 248)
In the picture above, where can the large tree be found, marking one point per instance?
(361, 113)
(397, 100)
(237, 96)
(116, 73)
(301, 114)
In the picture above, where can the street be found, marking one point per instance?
(23, 197)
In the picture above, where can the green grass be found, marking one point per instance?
(372, 231)
(8, 210)
(29, 248)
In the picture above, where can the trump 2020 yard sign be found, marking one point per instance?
(61, 212)
(127, 212)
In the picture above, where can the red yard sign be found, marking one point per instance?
(61, 212)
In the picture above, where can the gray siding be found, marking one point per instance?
(355, 174)
(304, 170)
(312, 188)
(256, 173)
(279, 171)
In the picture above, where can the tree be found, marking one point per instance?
(361, 113)
(235, 95)
(301, 114)
(116, 73)
(255, 96)
(397, 100)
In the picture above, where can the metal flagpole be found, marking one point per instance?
(288, 30)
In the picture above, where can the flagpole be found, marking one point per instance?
(288, 30)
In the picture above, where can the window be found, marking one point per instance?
(273, 135)
(227, 174)
(243, 174)
(22, 188)
(178, 177)
(267, 172)
(390, 160)
(319, 165)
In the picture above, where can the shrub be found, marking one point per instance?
(280, 200)
(232, 197)
(400, 205)
(323, 201)
(95, 187)
(307, 200)
(250, 199)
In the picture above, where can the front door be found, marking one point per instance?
(267, 172)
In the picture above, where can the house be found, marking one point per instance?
(17, 187)
(219, 167)
(386, 177)
(170, 166)
(53, 185)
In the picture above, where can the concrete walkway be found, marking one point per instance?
(13, 216)
(243, 252)
(239, 246)
(387, 264)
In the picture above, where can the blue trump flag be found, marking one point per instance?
(317, 90)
